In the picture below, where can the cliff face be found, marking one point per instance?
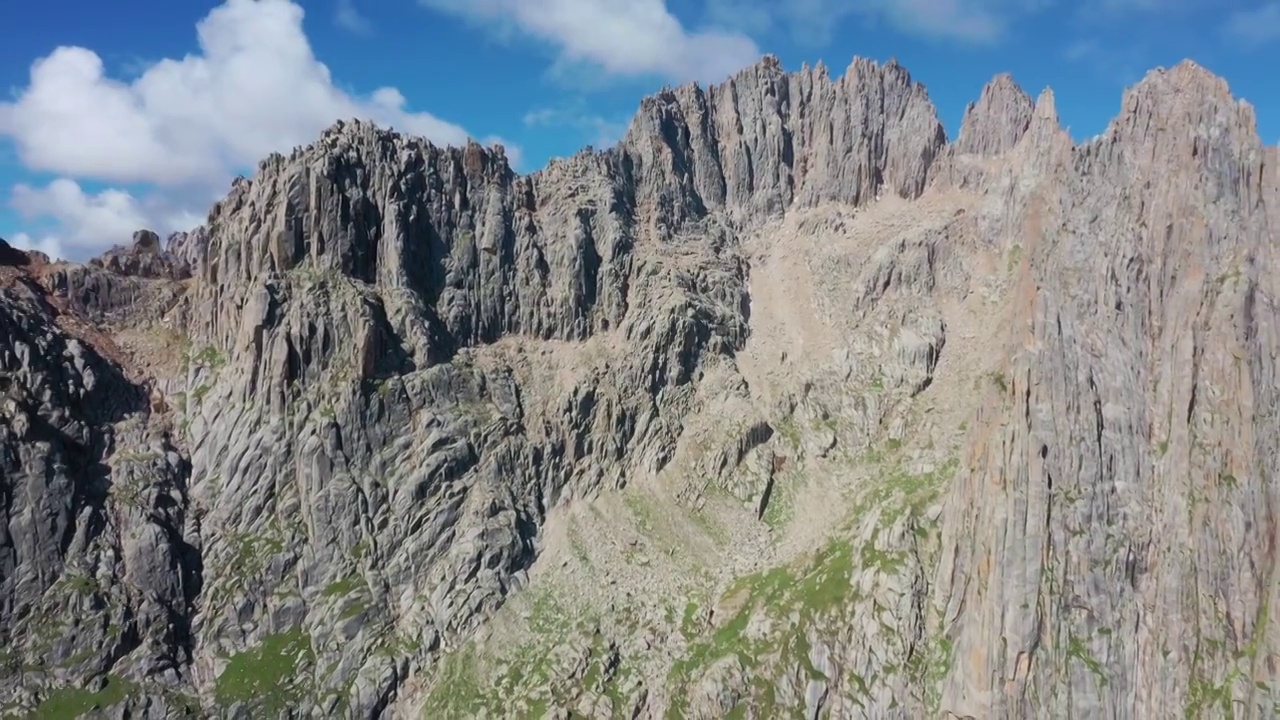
(1111, 549)
(784, 404)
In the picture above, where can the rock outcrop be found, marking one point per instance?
(783, 405)
(144, 258)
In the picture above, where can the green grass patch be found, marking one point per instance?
(689, 622)
(810, 590)
(525, 681)
(781, 507)
(355, 609)
(458, 692)
(362, 548)
(210, 357)
(268, 676)
(82, 584)
(897, 491)
(199, 392)
(786, 427)
(73, 702)
(1077, 651)
(344, 586)
(1206, 698)
(253, 552)
(640, 509)
(998, 379)
(706, 522)
(816, 592)
(1015, 256)
(399, 644)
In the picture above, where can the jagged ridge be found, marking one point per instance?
(372, 458)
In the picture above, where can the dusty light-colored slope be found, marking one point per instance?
(643, 599)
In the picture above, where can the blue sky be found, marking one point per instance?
(139, 112)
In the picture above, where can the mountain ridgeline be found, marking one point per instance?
(785, 405)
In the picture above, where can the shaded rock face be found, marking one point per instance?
(293, 460)
(99, 573)
(12, 256)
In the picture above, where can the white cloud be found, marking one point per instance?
(85, 221)
(111, 213)
(621, 37)
(88, 222)
(1255, 27)
(349, 17)
(599, 132)
(186, 125)
(255, 88)
(958, 19)
(47, 244)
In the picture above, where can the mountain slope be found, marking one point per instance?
(783, 405)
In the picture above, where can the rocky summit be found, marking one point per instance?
(785, 406)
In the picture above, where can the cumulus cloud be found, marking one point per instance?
(111, 214)
(185, 126)
(88, 221)
(959, 19)
(621, 37)
(47, 244)
(1256, 26)
(254, 88)
(349, 17)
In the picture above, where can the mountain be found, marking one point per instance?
(785, 405)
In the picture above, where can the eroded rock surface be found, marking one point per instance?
(783, 406)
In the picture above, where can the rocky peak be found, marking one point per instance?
(146, 242)
(997, 120)
(187, 248)
(1183, 123)
(1046, 109)
(144, 257)
(1176, 103)
(765, 139)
